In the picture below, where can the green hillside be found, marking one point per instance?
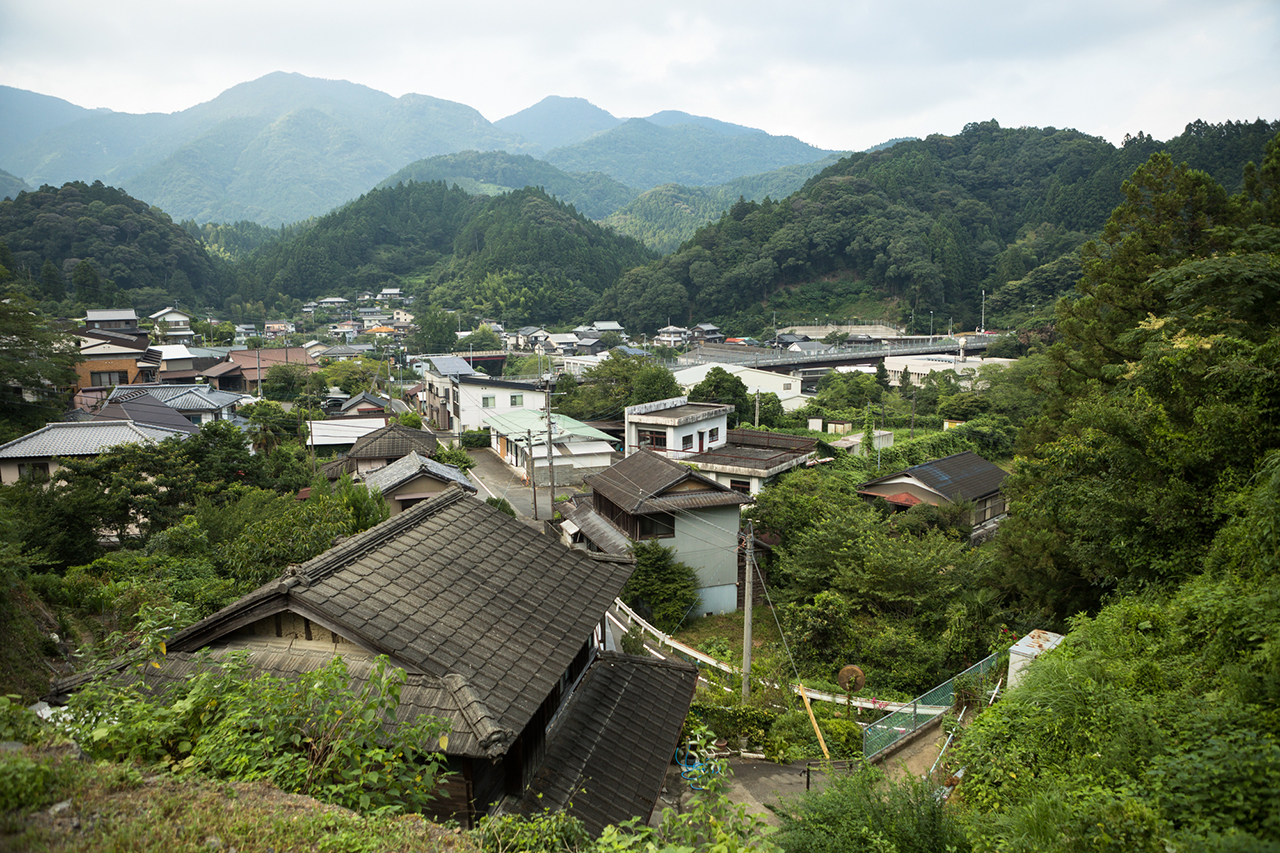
(665, 217)
(921, 227)
(555, 121)
(491, 172)
(521, 256)
(11, 185)
(643, 155)
(104, 248)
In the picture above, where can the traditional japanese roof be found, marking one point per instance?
(450, 586)
(83, 438)
(961, 477)
(138, 405)
(607, 755)
(364, 398)
(646, 482)
(408, 467)
(108, 314)
(187, 398)
(392, 442)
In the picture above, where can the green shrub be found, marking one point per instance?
(25, 783)
(17, 722)
(860, 811)
(661, 586)
(474, 439)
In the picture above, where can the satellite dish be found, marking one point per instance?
(851, 678)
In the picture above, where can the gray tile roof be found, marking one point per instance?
(961, 477)
(189, 398)
(392, 442)
(143, 408)
(450, 586)
(607, 756)
(640, 484)
(407, 467)
(83, 438)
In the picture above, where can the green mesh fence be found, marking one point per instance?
(887, 731)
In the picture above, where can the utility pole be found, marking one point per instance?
(746, 613)
(757, 407)
(533, 482)
(551, 461)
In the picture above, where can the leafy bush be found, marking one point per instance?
(474, 439)
(17, 722)
(661, 585)
(455, 456)
(860, 811)
(502, 504)
(313, 735)
(25, 783)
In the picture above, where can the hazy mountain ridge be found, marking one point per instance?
(286, 147)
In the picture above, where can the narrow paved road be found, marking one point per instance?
(494, 478)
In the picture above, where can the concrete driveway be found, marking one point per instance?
(494, 478)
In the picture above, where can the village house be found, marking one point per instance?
(36, 454)
(172, 326)
(961, 478)
(499, 630)
(675, 427)
(577, 450)
(751, 459)
(648, 496)
(199, 404)
(456, 397)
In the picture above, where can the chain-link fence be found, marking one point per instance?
(888, 730)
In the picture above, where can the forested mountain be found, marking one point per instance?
(11, 185)
(28, 115)
(555, 121)
(104, 248)
(642, 154)
(924, 225)
(521, 256)
(666, 216)
(274, 150)
(491, 172)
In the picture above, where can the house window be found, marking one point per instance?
(686, 443)
(33, 470)
(195, 419)
(517, 400)
(786, 386)
(743, 486)
(713, 435)
(486, 402)
(109, 377)
(654, 439)
(660, 526)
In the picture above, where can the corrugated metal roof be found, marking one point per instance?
(596, 528)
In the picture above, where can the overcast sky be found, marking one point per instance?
(839, 74)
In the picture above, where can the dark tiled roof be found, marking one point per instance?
(141, 407)
(472, 731)
(403, 470)
(393, 441)
(449, 586)
(961, 477)
(639, 485)
(608, 755)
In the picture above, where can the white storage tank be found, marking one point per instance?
(1028, 649)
